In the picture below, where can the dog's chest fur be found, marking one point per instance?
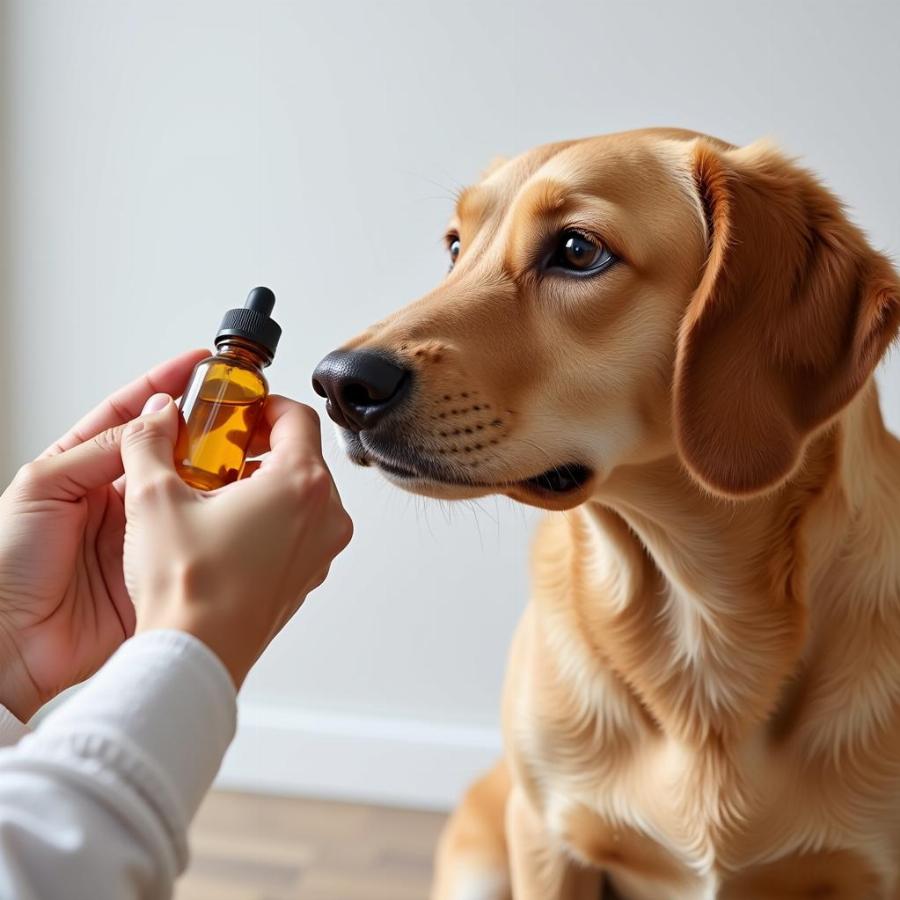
(698, 753)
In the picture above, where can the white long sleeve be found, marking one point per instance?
(95, 804)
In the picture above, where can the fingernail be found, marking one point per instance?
(156, 403)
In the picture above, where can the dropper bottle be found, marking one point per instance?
(225, 396)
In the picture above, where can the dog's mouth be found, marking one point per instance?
(560, 479)
(554, 484)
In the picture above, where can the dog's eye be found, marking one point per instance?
(453, 248)
(576, 252)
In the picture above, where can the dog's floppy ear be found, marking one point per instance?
(498, 162)
(793, 311)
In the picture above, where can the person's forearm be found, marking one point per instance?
(96, 803)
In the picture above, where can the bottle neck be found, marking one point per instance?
(244, 351)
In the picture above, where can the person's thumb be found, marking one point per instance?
(148, 445)
(89, 465)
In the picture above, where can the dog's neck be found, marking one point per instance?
(721, 596)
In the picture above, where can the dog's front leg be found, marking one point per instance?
(540, 867)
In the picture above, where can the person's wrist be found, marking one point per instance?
(228, 641)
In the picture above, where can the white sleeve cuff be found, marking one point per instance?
(161, 713)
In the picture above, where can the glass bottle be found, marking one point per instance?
(226, 394)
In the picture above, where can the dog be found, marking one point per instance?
(667, 341)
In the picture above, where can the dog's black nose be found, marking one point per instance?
(361, 386)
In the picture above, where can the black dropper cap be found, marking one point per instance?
(252, 322)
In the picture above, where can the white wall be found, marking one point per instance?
(163, 157)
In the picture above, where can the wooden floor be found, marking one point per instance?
(249, 847)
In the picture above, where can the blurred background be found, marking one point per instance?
(158, 159)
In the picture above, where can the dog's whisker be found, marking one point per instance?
(474, 510)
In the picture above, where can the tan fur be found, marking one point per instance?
(703, 696)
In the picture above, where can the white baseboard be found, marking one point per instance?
(402, 762)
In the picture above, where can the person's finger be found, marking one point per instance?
(148, 445)
(169, 377)
(295, 436)
(273, 409)
(109, 554)
(119, 485)
(259, 439)
(71, 474)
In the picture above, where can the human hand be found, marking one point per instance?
(63, 604)
(230, 566)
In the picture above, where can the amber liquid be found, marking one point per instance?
(219, 411)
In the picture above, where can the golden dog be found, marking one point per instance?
(673, 339)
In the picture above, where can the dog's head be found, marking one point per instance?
(611, 301)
